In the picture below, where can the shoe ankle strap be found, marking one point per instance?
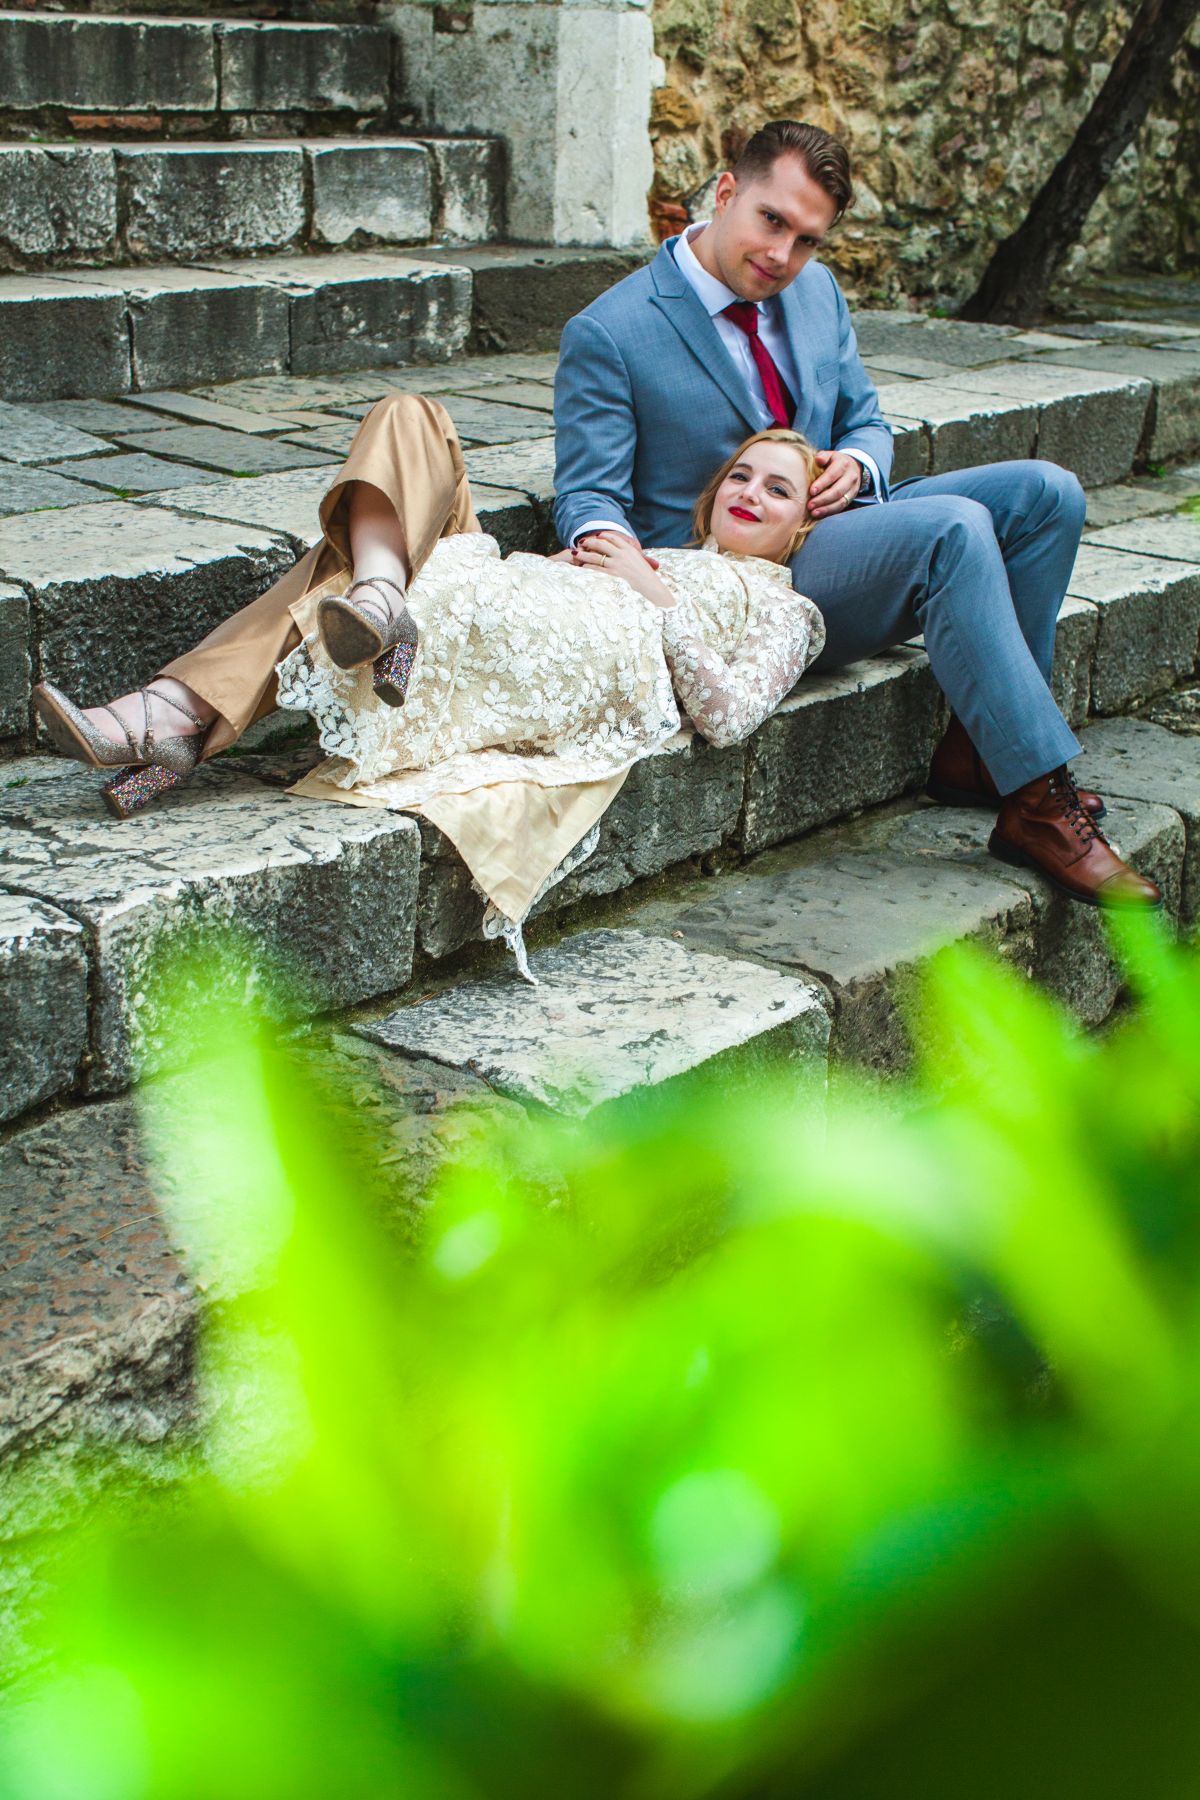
(378, 582)
(169, 700)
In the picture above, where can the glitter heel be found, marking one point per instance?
(147, 766)
(136, 787)
(392, 672)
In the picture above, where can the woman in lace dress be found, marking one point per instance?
(528, 686)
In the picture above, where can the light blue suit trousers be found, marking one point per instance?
(978, 561)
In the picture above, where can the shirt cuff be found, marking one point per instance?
(601, 525)
(872, 467)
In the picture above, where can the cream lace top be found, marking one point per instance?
(532, 670)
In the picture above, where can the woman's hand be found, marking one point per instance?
(626, 560)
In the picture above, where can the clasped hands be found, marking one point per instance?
(616, 553)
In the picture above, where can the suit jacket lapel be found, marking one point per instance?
(680, 306)
(799, 342)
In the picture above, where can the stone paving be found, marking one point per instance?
(111, 569)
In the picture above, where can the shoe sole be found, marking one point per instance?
(1005, 852)
(348, 638)
(65, 735)
(952, 796)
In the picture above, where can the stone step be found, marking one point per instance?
(331, 893)
(99, 332)
(98, 1309)
(614, 1014)
(805, 958)
(81, 71)
(67, 205)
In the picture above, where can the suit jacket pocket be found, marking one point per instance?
(828, 371)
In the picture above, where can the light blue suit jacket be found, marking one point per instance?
(648, 402)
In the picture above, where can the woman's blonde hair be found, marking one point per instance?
(777, 434)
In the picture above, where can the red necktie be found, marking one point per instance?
(744, 314)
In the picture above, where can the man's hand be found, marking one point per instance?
(837, 484)
(615, 540)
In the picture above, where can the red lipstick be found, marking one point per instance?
(739, 512)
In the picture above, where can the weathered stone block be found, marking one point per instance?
(483, 420)
(963, 430)
(681, 802)
(58, 203)
(1118, 505)
(954, 341)
(43, 994)
(1087, 421)
(1149, 623)
(34, 490)
(369, 189)
(568, 89)
(16, 662)
(469, 182)
(582, 1037)
(512, 520)
(188, 200)
(860, 910)
(269, 67)
(120, 590)
(1074, 961)
(1175, 536)
(193, 325)
(1067, 949)
(96, 64)
(232, 452)
(286, 503)
(61, 337)
(1074, 647)
(839, 743)
(1174, 428)
(199, 411)
(89, 415)
(347, 312)
(302, 886)
(1132, 759)
(522, 297)
(123, 475)
(910, 453)
(528, 467)
(97, 1341)
(28, 436)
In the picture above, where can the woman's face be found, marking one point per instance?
(762, 502)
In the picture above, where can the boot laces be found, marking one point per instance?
(1062, 786)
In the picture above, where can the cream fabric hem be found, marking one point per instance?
(511, 835)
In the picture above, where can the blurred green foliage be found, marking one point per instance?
(779, 1454)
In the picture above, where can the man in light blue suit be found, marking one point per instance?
(735, 326)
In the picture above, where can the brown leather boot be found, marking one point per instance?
(1043, 826)
(958, 775)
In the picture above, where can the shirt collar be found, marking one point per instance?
(713, 295)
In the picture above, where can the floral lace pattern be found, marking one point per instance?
(737, 639)
(529, 669)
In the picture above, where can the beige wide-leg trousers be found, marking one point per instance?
(406, 447)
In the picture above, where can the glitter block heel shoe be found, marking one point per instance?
(136, 787)
(392, 672)
(366, 629)
(147, 766)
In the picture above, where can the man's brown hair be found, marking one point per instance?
(826, 160)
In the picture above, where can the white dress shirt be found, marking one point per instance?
(714, 297)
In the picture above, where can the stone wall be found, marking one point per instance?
(954, 111)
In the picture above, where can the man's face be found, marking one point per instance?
(763, 232)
